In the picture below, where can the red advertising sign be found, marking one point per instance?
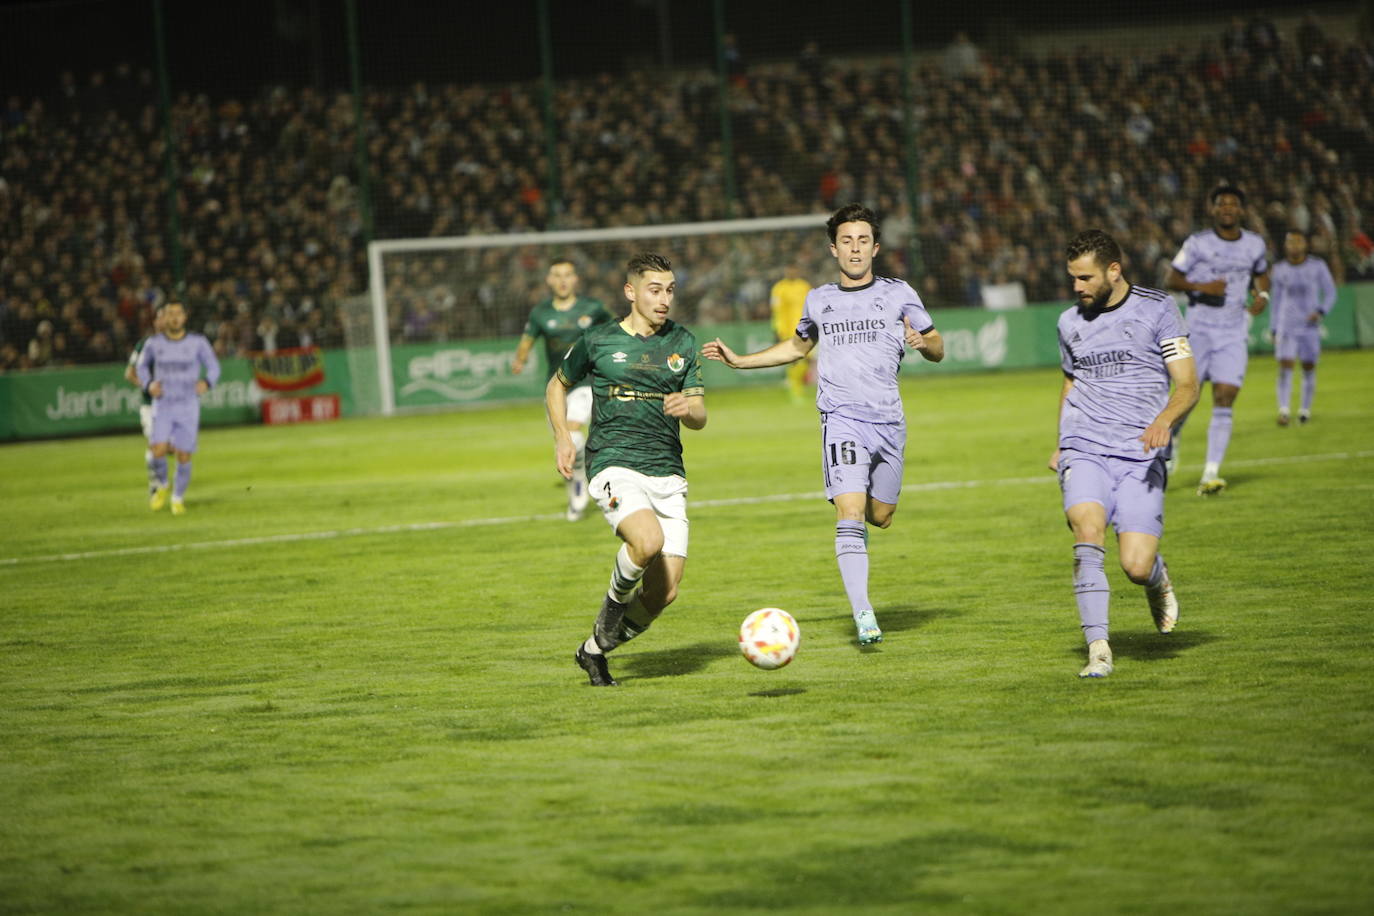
(300, 410)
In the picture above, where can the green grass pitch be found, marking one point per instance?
(343, 682)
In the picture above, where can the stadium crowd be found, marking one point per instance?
(1014, 152)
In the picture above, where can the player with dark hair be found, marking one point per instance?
(560, 320)
(169, 369)
(863, 321)
(646, 384)
(1304, 293)
(1120, 347)
(1216, 268)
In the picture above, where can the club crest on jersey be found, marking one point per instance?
(584, 322)
(676, 362)
(878, 304)
(552, 323)
(618, 357)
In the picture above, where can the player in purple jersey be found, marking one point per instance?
(1304, 293)
(863, 321)
(1120, 348)
(169, 369)
(1216, 268)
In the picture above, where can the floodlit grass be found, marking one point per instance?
(391, 719)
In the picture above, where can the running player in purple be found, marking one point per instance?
(863, 322)
(1120, 348)
(1304, 293)
(169, 369)
(1216, 268)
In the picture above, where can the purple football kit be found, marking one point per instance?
(1117, 358)
(177, 365)
(1217, 324)
(1299, 290)
(862, 344)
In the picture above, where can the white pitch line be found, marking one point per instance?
(1046, 477)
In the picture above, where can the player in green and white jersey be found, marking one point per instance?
(560, 320)
(145, 410)
(646, 383)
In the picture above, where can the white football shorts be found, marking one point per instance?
(621, 492)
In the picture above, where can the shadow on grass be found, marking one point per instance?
(1153, 647)
(672, 662)
(891, 619)
(779, 692)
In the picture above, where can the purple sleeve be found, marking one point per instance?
(1186, 257)
(806, 327)
(1065, 356)
(210, 362)
(915, 312)
(1170, 324)
(1326, 298)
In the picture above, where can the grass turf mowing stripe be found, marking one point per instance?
(515, 519)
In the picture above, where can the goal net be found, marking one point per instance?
(445, 312)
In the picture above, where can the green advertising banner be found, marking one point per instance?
(66, 402)
(457, 374)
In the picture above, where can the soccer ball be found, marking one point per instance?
(769, 638)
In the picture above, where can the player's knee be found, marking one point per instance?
(184, 457)
(1138, 569)
(882, 518)
(645, 547)
(1086, 531)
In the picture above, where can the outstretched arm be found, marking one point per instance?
(780, 354)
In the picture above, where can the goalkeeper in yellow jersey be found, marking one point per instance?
(786, 300)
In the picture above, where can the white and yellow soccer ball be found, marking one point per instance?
(769, 637)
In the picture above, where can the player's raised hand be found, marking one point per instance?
(914, 339)
(717, 350)
(565, 454)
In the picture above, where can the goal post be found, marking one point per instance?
(475, 292)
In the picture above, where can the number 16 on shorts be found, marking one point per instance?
(859, 457)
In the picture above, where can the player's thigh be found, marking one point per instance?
(642, 532)
(1085, 483)
(846, 456)
(1286, 348)
(580, 405)
(669, 499)
(1228, 363)
(1139, 500)
(1310, 348)
(887, 461)
(185, 428)
(163, 418)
